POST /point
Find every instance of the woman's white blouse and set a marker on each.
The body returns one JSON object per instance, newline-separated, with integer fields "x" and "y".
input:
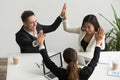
{"x": 77, "y": 30}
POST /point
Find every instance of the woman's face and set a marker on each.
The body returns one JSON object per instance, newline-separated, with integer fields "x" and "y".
{"x": 89, "y": 28}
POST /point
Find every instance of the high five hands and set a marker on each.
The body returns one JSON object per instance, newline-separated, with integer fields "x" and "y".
{"x": 41, "y": 35}
{"x": 99, "y": 36}
{"x": 41, "y": 38}
{"x": 63, "y": 12}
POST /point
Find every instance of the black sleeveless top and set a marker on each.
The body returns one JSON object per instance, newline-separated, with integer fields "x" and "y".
{"x": 84, "y": 44}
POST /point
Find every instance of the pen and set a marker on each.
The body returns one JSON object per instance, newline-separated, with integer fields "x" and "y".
{"x": 37, "y": 65}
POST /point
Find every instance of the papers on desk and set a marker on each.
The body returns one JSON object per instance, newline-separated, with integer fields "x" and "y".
{"x": 104, "y": 58}
{"x": 114, "y": 72}
{"x": 108, "y": 58}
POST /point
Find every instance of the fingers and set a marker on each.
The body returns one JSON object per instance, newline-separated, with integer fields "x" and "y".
{"x": 41, "y": 36}
{"x": 41, "y": 33}
{"x": 63, "y": 12}
{"x": 101, "y": 32}
{"x": 99, "y": 35}
{"x": 64, "y": 7}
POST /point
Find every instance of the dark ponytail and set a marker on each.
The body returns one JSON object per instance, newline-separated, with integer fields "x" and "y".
{"x": 70, "y": 57}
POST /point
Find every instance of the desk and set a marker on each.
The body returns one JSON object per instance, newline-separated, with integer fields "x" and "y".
{"x": 27, "y": 69}
{"x": 101, "y": 71}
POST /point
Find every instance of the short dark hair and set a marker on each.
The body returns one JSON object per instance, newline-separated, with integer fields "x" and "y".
{"x": 91, "y": 19}
{"x": 26, "y": 14}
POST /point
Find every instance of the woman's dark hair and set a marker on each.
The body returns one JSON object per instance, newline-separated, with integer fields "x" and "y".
{"x": 26, "y": 14}
{"x": 70, "y": 57}
{"x": 91, "y": 19}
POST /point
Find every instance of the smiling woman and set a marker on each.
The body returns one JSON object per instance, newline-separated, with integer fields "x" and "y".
{"x": 86, "y": 33}
{"x": 46, "y": 12}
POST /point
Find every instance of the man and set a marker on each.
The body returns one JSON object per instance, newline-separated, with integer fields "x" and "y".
{"x": 26, "y": 37}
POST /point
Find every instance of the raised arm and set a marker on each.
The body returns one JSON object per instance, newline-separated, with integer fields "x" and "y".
{"x": 49, "y": 64}
{"x": 88, "y": 70}
{"x": 52, "y": 27}
{"x": 65, "y": 22}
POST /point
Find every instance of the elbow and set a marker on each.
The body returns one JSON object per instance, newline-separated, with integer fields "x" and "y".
{"x": 66, "y": 28}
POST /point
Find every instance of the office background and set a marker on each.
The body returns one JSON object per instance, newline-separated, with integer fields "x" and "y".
{"x": 46, "y": 12}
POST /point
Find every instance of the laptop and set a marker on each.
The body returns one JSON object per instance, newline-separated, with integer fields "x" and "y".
{"x": 57, "y": 59}
{"x": 83, "y": 61}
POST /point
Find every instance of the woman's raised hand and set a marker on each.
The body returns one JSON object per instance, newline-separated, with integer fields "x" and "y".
{"x": 41, "y": 38}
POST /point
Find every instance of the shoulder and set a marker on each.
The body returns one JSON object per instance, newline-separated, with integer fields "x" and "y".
{"x": 39, "y": 26}
{"x": 21, "y": 32}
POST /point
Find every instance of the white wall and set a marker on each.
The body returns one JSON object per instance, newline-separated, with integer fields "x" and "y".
{"x": 46, "y": 12}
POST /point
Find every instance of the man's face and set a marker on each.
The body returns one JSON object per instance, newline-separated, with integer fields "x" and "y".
{"x": 31, "y": 23}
